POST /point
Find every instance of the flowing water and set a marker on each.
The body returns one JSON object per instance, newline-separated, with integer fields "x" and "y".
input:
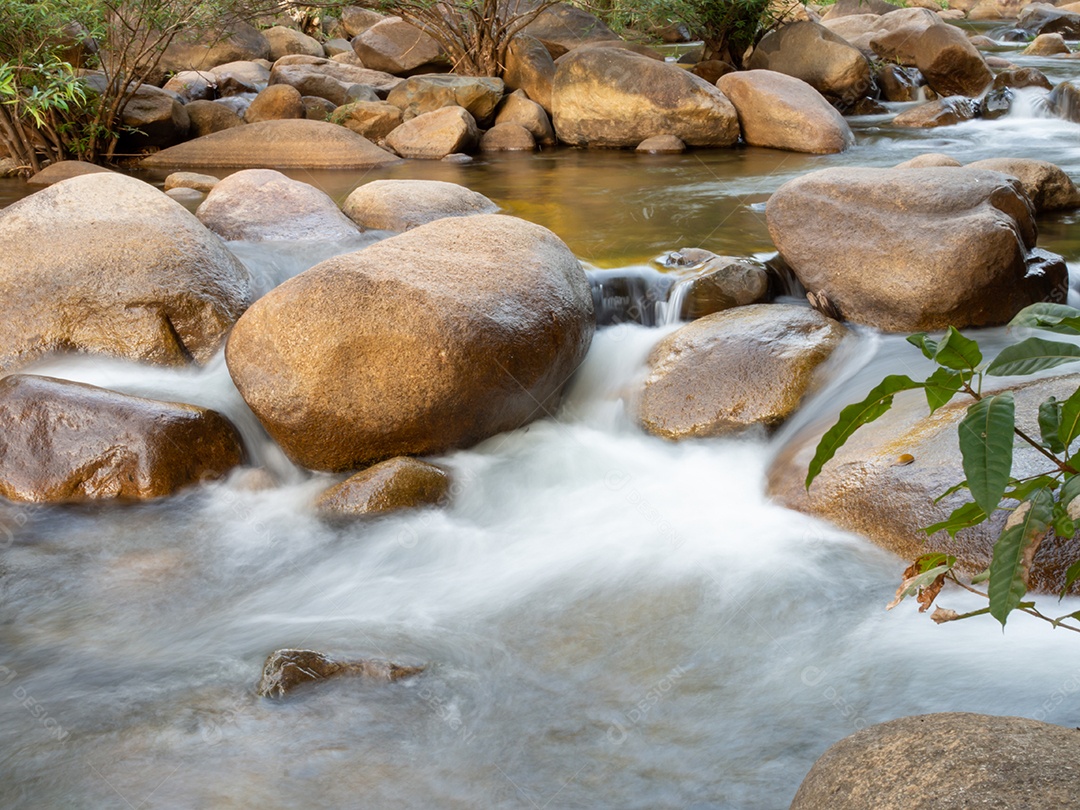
{"x": 608, "y": 619}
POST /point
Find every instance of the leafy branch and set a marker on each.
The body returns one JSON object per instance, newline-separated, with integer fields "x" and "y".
{"x": 1036, "y": 505}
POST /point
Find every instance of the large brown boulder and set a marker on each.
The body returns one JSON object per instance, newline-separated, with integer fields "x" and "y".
{"x": 238, "y": 42}
{"x": 286, "y": 41}
{"x": 944, "y": 112}
{"x": 1046, "y": 185}
{"x": 289, "y": 144}
{"x": 563, "y": 28}
{"x": 783, "y": 112}
{"x": 480, "y": 95}
{"x": 260, "y": 205}
{"x": 399, "y": 205}
{"x": 822, "y": 59}
{"x": 518, "y": 109}
{"x": 911, "y": 249}
{"x": 899, "y": 33}
{"x": 210, "y": 116}
{"x": 356, "y": 20}
{"x": 107, "y": 264}
{"x": 65, "y": 442}
{"x": 434, "y": 135}
{"x": 152, "y": 117}
{"x": 951, "y": 65}
{"x": 389, "y": 486}
{"x": 949, "y": 761}
{"x": 395, "y": 46}
{"x": 885, "y": 481}
{"x": 240, "y": 77}
{"x": 617, "y": 98}
{"x": 430, "y": 340}
{"x": 1041, "y": 18}
{"x": 529, "y": 67}
{"x": 735, "y": 369}
{"x": 707, "y": 283}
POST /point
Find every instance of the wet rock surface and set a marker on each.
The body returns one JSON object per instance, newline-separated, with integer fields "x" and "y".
{"x": 285, "y": 670}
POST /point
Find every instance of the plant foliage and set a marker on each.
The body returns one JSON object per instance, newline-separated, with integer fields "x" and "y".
{"x": 1036, "y": 505}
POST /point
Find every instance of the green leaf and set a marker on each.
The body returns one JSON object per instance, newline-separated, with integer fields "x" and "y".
{"x": 1049, "y": 423}
{"x": 958, "y": 352}
{"x": 982, "y": 576}
{"x": 1069, "y": 428}
{"x": 1009, "y": 567}
{"x": 1057, "y": 318}
{"x": 950, "y": 491}
{"x": 1031, "y": 355}
{"x": 941, "y": 386}
{"x": 986, "y": 444}
{"x": 926, "y": 344}
{"x": 1071, "y": 575}
{"x": 1021, "y": 491}
{"x": 1064, "y": 526}
{"x": 876, "y": 403}
{"x": 963, "y": 517}
{"x": 1069, "y": 490}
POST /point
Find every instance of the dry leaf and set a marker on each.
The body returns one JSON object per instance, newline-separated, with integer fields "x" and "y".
{"x": 942, "y": 615}
{"x": 927, "y": 595}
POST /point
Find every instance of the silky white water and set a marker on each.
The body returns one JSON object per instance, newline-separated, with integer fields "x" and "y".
{"x": 609, "y": 620}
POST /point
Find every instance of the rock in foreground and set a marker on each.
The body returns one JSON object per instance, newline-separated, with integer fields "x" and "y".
{"x": 948, "y": 761}
{"x": 284, "y": 670}
{"x": 433, "y": 339}
{"x": 107, "y": 264}
{"x": 65, "y": 442}
{"x": 914, "y": 249}
{"x": 728, "y": 371}
{"x": 399, "y": 205}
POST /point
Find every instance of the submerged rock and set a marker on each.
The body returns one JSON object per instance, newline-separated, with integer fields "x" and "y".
{"x": 914, "y": 249}
{"x": 284, "y": 670}
{"x": 398, "y": 205}
{"x": 65, "y": 442}
{"x": 784, "y": 112}
{"x": 948, "y": 761}
{"x": 260, "y": 205}
{"x": 731, "y": 370}
{"x": 391, "y": 485}
{"x": 661, "y": 145}
{"x": 885, "y": 481}
{"x": 107, "y": 264}
{"x": 433, "y": 339}
{"x": 507, "y": 138}
{"x": 616, "y": 98}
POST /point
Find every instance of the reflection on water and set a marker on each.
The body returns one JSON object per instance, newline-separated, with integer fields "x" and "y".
{"x": 611, "y": 620}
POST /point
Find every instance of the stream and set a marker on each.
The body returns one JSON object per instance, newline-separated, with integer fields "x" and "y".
{"x": 609, "y": 620}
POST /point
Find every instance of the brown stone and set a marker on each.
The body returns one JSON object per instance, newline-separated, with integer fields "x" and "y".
{"x": 285, "y": 41}
{"x": 240, "y": 77}
{"x": 277, "y": 102}
{"x": 661, "y": 145}
{"x": 518, "y": 109}
{"x": 708, "y": 283}
{"x": 210, "y": 116}
{"x": 307, "y": 73}
{"x": 398, "y": 205}
{"x": 192, "y": 85}
{"x": 284, "y": 670}
{"x": 290, "y": 144}
{"x": 65, "y": 442}
{"x": 897, "y": 83}
{"x": 1022, "y": 77}
{"x": 945, "y": 112}
{"x": 822, "y": 59}
{"x": 529, "y": 67}
{"x": 732, "y": 370}
{"x": 356, "y": 20}
{"x": 929, "y": 160}
{"x": 507, "y": 137}
{"x": 238, "y": 42}
{"x": 615, "y": 98}
{"x": 372, "y": 119}
{"x": 433, "y": 339}
{"x": 1046, "y": 185}
{"x": 864, "y": 488}
{"x": 259, "y": 205}
{"x": 1047, "y": 45}
{"x": 395, "y": 46}
{"x": 199, "y": 182}
{"x": 563, "y": 28}
{"x": 951, "y": 65}
{"x": 435, "y": 135}
{"x": 107, "y": 264}
{"x": 914, "y": 249}
{"x": 949, "y": 761}
{"x": 783, "y": 112}
{"x": 389, "y": 486}
{"x": 711, "y": 70}
{"x": 423, "y": 94}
